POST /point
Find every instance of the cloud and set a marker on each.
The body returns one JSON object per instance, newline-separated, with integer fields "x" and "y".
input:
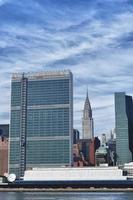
{"x": 2, "y": 2}
{"x": 91, "y": 38}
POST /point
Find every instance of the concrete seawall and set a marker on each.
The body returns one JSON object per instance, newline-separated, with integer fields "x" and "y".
{"x": 66, "y": 190}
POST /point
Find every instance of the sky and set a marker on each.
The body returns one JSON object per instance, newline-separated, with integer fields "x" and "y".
{"x": 92, "y": 38}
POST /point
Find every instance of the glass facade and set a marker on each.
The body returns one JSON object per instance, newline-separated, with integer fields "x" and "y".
{"x": 124, "y": 127}
{"x": 41, "y": 121}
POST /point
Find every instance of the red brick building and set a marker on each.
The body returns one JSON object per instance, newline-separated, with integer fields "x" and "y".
{"x": 92, "y": 152}
{"x": 3, "y": 156}
{"x": 84, "y": 152}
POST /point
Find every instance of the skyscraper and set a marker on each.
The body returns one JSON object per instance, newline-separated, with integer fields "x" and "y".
{"x": 124, "y": 127}
{"x": 41, "y": 120}
{"x": 87, "y": 120}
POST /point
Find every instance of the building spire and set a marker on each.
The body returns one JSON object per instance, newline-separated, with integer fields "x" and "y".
{"x": 87, "y": 120}
{"x": 87, "y": 93}
{"x": 87, "y": 105}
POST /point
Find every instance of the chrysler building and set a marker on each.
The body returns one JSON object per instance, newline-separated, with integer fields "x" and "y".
{"x": 87, "y": 120}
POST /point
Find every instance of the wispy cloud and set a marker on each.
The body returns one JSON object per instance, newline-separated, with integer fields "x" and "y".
{"x": 2, "y": 2}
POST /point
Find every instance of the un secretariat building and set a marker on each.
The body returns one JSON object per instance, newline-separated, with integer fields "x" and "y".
{"x": 41, "y": 120}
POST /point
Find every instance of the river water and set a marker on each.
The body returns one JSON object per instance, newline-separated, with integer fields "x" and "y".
{"x": 66, "y": 196}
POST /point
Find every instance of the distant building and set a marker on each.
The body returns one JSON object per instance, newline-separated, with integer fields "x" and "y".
{"x": 113, "y": 134}
{"x": 92, "y": 152}
{"x": 4, "y": 130}
{"x": 78, "y": 160}
{"x": 103, "y": 138}
{"x": 87, "y": 120}
{"x": 84, "y": 151}
{"x": 4, "y": 134}
{"x": 41, "y": 120}
{"x": 112, "y": 150}
{"x": 3, "y": 156}
{"x": 97, "y": 143}
{"x": 124, "y": 127}
{"x": 75, "y": 136}
{"x": 102, "y": 155}
{"x": 111, "y": 143}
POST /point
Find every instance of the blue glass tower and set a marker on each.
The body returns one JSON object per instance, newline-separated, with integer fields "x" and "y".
{"x": 41, "y": 120}
{"x": 124, "y": 127}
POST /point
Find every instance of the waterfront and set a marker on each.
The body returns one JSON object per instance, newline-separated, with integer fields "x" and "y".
{"x": 66, "y": 195}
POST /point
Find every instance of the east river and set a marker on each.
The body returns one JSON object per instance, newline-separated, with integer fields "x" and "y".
{"x": 66, "y": 196}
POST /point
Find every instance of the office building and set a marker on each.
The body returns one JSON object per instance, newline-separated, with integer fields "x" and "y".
{"x": 41, "y": 130}
{"x": 124, "y": 127}
{"x": 87, "y": 120}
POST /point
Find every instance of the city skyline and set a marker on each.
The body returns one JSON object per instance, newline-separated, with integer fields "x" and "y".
{"x": 91, "y": 38}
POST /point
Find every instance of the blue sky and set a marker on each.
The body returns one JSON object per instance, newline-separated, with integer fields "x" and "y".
{"x": 92, "y": 38}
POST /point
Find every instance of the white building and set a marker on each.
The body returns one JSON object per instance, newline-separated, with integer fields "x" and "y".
{"x": 74, "y": 174}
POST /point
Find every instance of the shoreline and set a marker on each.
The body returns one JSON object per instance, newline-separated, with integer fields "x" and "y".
{"x": 66, "y": 190}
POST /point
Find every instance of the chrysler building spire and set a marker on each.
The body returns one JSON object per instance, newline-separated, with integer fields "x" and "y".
{"x": 87, "y": 120}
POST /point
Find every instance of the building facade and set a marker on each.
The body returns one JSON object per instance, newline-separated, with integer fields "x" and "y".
{"x": 41, "y": 131}
{"x": 87, "y": 120}
{"x": 84, "y": 151}
{"x": 3, "y": 156}
{"x": 75, "y": 136}
{"x": 102, "y": 155}
{"x": 4, "y": 130}
{"x": 124, "y": 127}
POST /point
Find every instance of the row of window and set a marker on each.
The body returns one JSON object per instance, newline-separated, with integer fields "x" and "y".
{"x": 42, "y": 92}
{"x": 43, "y": 122}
